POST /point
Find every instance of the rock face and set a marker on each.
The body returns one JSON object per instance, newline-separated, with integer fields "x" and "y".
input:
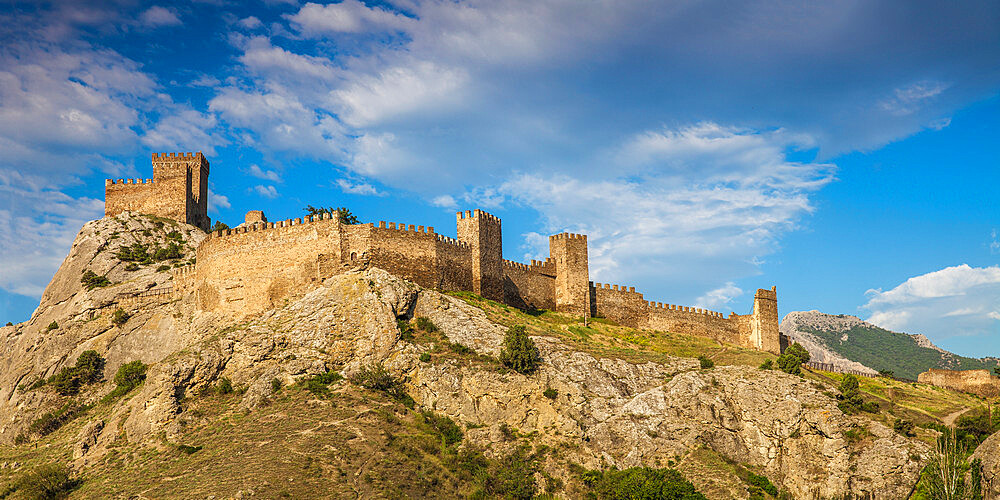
{"x": 791, "y": 327}
{"x": 989, "y": 452}
{"x": 607, "y": 412}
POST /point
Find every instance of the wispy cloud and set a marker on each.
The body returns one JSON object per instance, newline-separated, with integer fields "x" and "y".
{"x": 266, "y": 191}
{"x": 720, "y": 297}
{"x": 361, "y": 188}
{"x": 156, "y": 16}
{"x": 269, "y": 175}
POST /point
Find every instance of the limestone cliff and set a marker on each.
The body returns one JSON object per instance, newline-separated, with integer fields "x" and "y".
{"x": 606, "y": 412}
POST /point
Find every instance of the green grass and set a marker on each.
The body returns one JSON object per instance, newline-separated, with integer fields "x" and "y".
{"x": 603, "y": 338}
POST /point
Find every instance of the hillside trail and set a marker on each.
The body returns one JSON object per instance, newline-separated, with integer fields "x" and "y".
{"x": 949, "y": 419}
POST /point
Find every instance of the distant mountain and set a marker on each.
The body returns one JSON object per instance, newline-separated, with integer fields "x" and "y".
{"x": 848, "y": 342}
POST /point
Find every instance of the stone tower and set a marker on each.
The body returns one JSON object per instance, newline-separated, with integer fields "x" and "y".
{"x": 569, "y": 252}
{"x": 482, "y": 233}
{"x": 764, "y": 333}
{"x": 178, "y": 190}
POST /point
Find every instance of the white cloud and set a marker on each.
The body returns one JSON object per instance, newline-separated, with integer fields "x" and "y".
{"x": 908, "y": 99}
{"x": 349, "y": 16}
{"x": 159, "y": 16}
{"x": 401, "y": 90}
{"x": 250, "y": 23}
{"x": 951, "y": 302}
{"x": 995, "y": 242}
{"x": 217, "y": 202}
{"x": 266, "y": 191}
{"x": 269, "y": 175}
{"x": 720, "y": 297}
{"x": 361, "y": 188}
{"x": 444, "y": 201}
{"x": 187, "y": 130}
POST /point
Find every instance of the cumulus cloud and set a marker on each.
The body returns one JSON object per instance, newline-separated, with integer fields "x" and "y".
{"x": 250, "y": 23}
{"x": 156, "y": 16}
{"x": 361, "y": 188}
{"x": 187, "y": 130}
{"x": 266, "y": 191}
{"x": 349, "y": 16}
{"x": 269, "y": 175}
{"x": 720, "y": 297}
{"x": 957, "y": 301}
{"x": 217, "y": 202}
{"x": 444, "y": 201}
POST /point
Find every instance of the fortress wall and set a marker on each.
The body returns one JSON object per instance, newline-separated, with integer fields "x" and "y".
{"x": 164, "y": 198}
{"x": 252, "y": 268}
{"x": 526, "y": 288}
{"x": 979, "y": 382}
{"x": 619, "y": 304}
{"x": 406, "y": 251}
{"x": 454, "y": 264}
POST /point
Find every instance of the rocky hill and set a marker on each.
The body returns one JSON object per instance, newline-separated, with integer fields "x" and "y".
{"x": 255, "y": 404}
{"x": 850, "y": 343}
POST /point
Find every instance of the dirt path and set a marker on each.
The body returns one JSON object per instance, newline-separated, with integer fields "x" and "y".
{"x": 949, "y": 420}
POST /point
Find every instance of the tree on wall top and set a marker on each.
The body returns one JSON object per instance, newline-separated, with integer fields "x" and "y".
{"x": 346, "y": 217}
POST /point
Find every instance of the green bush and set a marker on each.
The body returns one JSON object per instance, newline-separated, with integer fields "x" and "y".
{"x": 378, "y": 378}
{"x": 225, "y": 386}
{"x": 188, "y": 449}
{"x": 128, "y": 377}
{"x": 52, "y": 326}
{"x": 137, "y": 252}
{"x": 319, "y": 384}
{"x": 132, "y": 267}
{"x": 92, "y": 280}
{"x": 461, "y": 348}
{"x": 763, "y": 483}
{"x": 162, "y": 268}
{"x": 275, "y": 385}
{"x": 641, "y": 483}
{"x": 171, "y": 251}
{"x": 519, "y": 351}
{"x": 445, "y": 428}
{"x": 88, "y": 369}
{"x": 120, "y": 317}
{"x": 512, "y": 477}
{"x": 790, "y": 364}
{"x": 798, "y": 351}
{"x": 219, "y": 226}
{"x": 405, "y": 330}
{"x": 51, "y": 421}
{"x": 705, "y": 362}
{"x": 550, "y": 393}
{"x": 46, "y": 482}
{"x": 850, "y": 397}
{"x": 768, "y": 364}
{"x": 904, "y": 427}
{"x": 175, "y": 235}
{"x": 426, "y": 325}
{"x": 425, "y": 357}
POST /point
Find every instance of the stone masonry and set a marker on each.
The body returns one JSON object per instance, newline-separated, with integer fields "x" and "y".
{"x": 260, "y": 264}
{"x": 178, "y": 190}
{"x": 979, "y": 382}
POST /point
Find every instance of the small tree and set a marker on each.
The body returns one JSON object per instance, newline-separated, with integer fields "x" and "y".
{"x": 705, "y": 362}
{"x": 219, "y": 226}
{"x": 346, "y": 217}
{"x": 792, "y": 359}
{"x": 129, "y": 376}
{"x": 519, "y": 351}
{"x": 119, "y": 317}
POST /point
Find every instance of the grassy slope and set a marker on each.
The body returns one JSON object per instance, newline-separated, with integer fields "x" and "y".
{"x": 886, "y": 350}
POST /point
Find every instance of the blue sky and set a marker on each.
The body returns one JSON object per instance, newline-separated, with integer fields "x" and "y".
{"x": 846, "y": 152}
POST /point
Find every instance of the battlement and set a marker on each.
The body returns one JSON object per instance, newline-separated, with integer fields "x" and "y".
{"x": 473, "y": 214}
{"x": 568, "y": 236}
{"x": 178, "y": 156}
{"x": 126, "y": 182}
{"x": 403, "y": 227}
{"x": 263, "y": 226}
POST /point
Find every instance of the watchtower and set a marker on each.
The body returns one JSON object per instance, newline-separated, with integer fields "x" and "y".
{"x": 482, "y": 233}
{"x": 178, "y": 190}
{"x": 569, "y": 252}
{"x": 764, "y": 334}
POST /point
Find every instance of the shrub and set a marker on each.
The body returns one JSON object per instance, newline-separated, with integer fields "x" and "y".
{"x": 461, "y": 348}
{"x": 171, "y": 251}
{"x": 87, "y": 370}
{"x": 790, "y": 364}
{"x": 137, "y": 252}
{"x": 550, "y": 393}
{"x": 10, "y": 324}
{"x": 426, "y": 325}
{"x": 92, "y": 280}
{"x": 275, "y": 385}
{"x": 52, "y": 326}
{"x": 225, "y": 386}
{"x": 519, "y": 352}
{"x": 641, "y": 482}
{"x": 51, "y": 421}
{"x": 904, "y": 427}
{"x": 886, "y": 373}
{"x": 120, "y": 317}
{"x": 798, "y": 351}
{"x": 318, "y": 384}
{"x": 705, "y": 362}
{"x": 763, "y": 483}
{"x": 132, "y": 267}
{"x": 425, "y": 357}
{"x": 174, "y": 235}
{"x": 219, "y": 226}
{"x": 850, "y": 397}
{"x": 768, "y": 364}
{"x": 162, "y": 268}
{"x": 511, "y": 478}
{"x": 128, "y": 377}
{"x": 405, "y": 331}
{"x": 46, "y": 482}
{"x": 188, "y": 449}
{"x": 378, "y": 378}
{"x": 446, "y": 428}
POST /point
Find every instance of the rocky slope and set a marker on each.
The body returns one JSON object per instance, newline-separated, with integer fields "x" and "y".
{"x": 850, "y": 343}
{"x": 606, "y": 412}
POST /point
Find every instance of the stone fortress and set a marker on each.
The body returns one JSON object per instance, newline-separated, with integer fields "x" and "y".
{"x": 256, "y": 265}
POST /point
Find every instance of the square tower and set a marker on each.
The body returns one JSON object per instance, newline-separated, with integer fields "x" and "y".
{"x": 482, "y": 233}
{"x": 764, "y": 334}
{"x": 184, "y": 181}
{"x": 569, "y": 252}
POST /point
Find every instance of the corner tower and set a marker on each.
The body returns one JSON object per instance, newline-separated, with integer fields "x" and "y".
{"x": 183, "y": 180}
{"x": 569, "y": 252}
{"x": 764, "y": 333}
{"x": 482, "y": 233}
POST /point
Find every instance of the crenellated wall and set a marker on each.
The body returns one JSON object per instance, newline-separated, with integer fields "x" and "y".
{"x": 259, "y": 264}
{"x": 979, "y": 382}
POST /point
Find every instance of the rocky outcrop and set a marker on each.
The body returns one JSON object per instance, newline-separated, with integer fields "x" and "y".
{"x": 988, "y": 453}
{"x": 792, "y": 327}
{"x": 607, "y": 411}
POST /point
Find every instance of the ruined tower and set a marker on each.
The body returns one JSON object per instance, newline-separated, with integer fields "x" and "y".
{"x": 178, "y": 190}
{"x": 764, "y": 333}
{"x": 481, "y": 231}
{"x": 572, "y": 285}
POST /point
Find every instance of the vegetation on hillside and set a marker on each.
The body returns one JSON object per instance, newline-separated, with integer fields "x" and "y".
{"x": 346, "y": 217}
{"x": 898, "y": 353}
